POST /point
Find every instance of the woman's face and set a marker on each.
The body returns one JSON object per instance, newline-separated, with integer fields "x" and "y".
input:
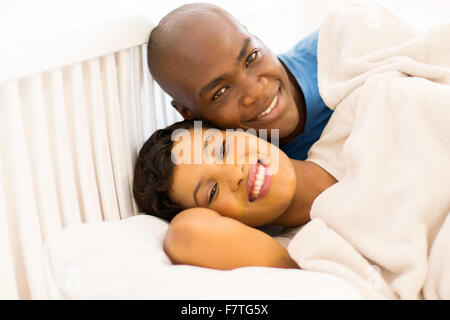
{"x": 234, "y": 173}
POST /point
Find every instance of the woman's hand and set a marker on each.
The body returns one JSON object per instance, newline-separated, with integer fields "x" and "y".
{"x": 202, "y": 237}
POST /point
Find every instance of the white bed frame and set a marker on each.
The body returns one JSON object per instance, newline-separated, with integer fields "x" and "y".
{"x": 76, "y": 104}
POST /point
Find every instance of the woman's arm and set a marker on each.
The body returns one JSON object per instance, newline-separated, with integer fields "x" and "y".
{"x": 202, "y": 237}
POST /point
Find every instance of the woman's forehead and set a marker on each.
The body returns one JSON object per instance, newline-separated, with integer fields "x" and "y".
{"x": 203, "y": 136}
{"x": 204, "y": 145}
{"x": 189, "y": 144}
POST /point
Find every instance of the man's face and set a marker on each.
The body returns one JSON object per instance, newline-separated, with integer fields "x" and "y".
{"x": 219, "y": 72}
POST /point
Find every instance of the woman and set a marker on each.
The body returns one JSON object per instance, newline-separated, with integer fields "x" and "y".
{"x": 213, "y": 205}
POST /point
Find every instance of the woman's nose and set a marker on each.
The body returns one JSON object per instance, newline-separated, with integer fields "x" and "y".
{"x": 235, "y": 176}
{"x": 254, "y": 90}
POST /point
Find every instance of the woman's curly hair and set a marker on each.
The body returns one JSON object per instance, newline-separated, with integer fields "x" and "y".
{"x": 153, "y": 172}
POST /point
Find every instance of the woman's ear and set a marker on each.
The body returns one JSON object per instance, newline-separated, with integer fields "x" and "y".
{"x": 185, "y": 112}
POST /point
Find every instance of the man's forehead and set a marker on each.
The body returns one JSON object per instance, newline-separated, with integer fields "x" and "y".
{"x": 200, "y": 51}
{"x": 207, "y": 36}
{"x": 203, "y": 55}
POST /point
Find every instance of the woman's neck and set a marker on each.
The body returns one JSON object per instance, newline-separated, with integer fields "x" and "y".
{"x": 312, "y": 180}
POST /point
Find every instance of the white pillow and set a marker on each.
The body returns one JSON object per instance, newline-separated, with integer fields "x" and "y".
{"x": 125, "y": 260}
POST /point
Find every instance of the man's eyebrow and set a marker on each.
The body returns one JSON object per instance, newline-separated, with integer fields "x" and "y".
{"x": 195, "y": 192}
{"x": 243, "y": 50}
{"x": 215, "y": 82}
{"x": 212, "y": 84}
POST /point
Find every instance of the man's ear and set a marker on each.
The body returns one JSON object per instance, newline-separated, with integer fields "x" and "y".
{"x": 185, "y": 112}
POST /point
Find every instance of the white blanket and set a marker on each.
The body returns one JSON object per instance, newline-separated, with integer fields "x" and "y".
{"x": 384, "y": 225}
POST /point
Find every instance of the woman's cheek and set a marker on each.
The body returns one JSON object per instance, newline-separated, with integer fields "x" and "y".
{"x": 229, "y": 208}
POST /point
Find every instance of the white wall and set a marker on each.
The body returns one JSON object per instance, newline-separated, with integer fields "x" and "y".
{"x": 306, "y": 15}
{"x": 425, "y": 12}
{"x": 23, "y": 15}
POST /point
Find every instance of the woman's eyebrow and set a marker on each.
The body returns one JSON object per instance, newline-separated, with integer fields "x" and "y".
{"x": 216, "y": 81}
{"x": 196, "y": 190}
{"x": 206, "y": 143}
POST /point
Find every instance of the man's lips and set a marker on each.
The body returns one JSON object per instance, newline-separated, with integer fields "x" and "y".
{"x": 271, "y": 110}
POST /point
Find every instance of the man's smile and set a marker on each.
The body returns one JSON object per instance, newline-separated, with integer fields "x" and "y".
{"x": 270, "y": 111}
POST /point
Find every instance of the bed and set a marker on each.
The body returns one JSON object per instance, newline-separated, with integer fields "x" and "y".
{"x": 76, "y": 104}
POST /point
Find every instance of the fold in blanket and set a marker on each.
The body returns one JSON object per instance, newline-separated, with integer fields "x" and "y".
{"x": 384, "y": 226}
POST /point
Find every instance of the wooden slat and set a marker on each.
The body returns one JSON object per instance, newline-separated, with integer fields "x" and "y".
{"x": 81, "y": 143}
{"x": 61, "y": 151}
{"x": 125, "y": 98}
{"x": 20, "y": 195}
{"x": 37, "y": 136}
{"x": 8, "y": 289}
{"x": 115, "y": 134}
{"x": 100, "y": 143}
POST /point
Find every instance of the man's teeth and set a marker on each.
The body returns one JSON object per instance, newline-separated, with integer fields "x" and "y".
{"x": 260, "y": 176}
{"x": 270, "y": 108}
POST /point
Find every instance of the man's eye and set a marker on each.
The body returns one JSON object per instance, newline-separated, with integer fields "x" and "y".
{"x": 220, "y": 92}
{"x": 213, "y": 192}
{"x": 251, "y": 58}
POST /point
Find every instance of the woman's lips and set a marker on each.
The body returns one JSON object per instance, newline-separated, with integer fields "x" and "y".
{"x": 259, "y": 181}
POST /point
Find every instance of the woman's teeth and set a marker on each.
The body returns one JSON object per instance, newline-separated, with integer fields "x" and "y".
{"x": 260, "y": 176}
{"x": 270, "y": 108}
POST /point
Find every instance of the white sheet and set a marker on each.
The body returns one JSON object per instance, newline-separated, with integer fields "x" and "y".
{"x": 383, "y": 225}
{"x": 125, "y": 260}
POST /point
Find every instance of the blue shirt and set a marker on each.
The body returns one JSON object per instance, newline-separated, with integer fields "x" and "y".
{"x": 301, "y": 61}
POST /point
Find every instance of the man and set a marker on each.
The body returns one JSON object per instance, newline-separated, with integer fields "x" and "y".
{"x": 215, "y": 70}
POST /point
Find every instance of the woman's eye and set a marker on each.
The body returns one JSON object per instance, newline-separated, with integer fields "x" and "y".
{"x": 213, "y": 192}
{"x": 251, "y": 58}
{"x": 221, "y": 153}
{"x": 220, "y": 92}
{"x": 222, "y": 150}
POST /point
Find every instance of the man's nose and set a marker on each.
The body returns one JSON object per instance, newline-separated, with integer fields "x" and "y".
{"x": 254, "y": 90}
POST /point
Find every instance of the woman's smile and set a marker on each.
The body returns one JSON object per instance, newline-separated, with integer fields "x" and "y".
{"x": 259, "y": 181}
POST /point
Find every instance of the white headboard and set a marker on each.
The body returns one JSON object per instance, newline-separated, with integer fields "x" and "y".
{"x": 76, "y": 105}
